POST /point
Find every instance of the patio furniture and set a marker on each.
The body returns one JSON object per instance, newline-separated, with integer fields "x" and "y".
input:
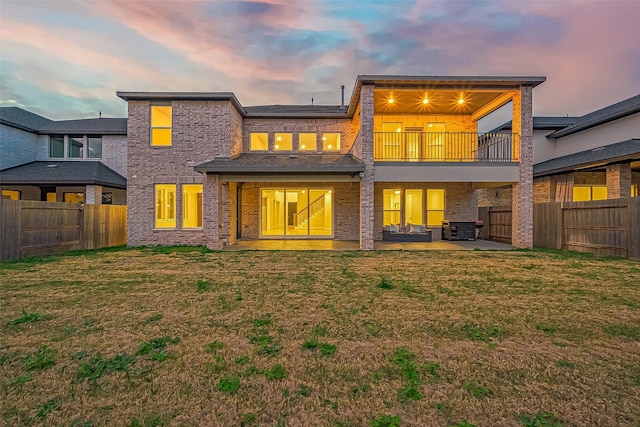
{"x": 410, "y": 233}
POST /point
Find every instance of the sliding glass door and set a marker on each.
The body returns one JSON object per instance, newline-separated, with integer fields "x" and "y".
{"x": 296, "y": 212}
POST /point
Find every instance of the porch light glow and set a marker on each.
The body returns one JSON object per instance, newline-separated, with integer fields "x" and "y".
{"x": 391, "y": 101}
{"x": 425, "y": 101}
{"x": 399, "y": 130}
{"x": 460, "y": 101}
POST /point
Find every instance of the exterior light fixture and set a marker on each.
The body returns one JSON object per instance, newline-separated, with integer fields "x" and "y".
{"x": 425, "y": 101}
{"x": 391, "y": 101}
{"x": 460, "y": 101}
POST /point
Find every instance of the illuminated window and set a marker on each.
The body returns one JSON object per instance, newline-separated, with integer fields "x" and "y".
{"x": 259, "y": 141}
{"x": 161, "y": 123}
{"x": 308, "y": 142}
{"x": 331, "y": 141}
{"x": 587, "y": 193}
{"x": 10, "y": 195}
{"x": 76, "y": 145}
{"x": 73, "y": 197}
{"x": 56, "y": 147}
{"x": 165, "y": 205}
{"x": 391, "y": 207}
{"x": 94, "y": 147}
{"x": 435, "y": 207}
{"x": 283, "y": 142}
{"x": 52, "y": 197}
{"x": 192, "y": 206}
{"x": 413, "y": 207}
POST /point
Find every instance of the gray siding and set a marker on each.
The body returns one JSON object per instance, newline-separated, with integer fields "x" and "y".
{"x": 17, "y": 147}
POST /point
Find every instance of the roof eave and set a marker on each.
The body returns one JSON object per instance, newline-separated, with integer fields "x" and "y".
{"x": 591, "y": 124}
{"x": 183, "y": 96}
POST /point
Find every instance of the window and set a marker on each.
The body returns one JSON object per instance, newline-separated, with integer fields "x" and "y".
{"x": 107, "y": 198}
{"x": 192, "y": 206}
{"x": 296, "y": 212}
{"x": 391, "y": 207}
{"x": 76, "y": 144}
{"x": 308, "y": 142}
{"x": 284, "y": 142}
{"x": 161, "y": 123}
{"x": 412, "y": 211}
{"x": 10, "y": 195}
{"x": 72, "y": 197}
{"x": 586, "y": 193}
{"x": 94, "y": 147}
{"x": 435, "y": 207}
{"x": 56, "y": 146}
{"x": 331, "y": 141}
{"x": 52, "y": 197}
{"x": 165, "y": 206}
{"x": 259, "y": 141}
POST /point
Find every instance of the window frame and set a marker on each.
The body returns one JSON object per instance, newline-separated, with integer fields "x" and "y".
{"x": 324, "y": 139}
{"x": 88, "y": 146}
{"x": 70, "y": 140}
{"x": 402, "y": 209}
{"x": 257, "y": 134}
{"x": 315, "y": 141}
{"x": 11, "y": 193}
{"x": 60, "y": 138}
{"x": 152, "y": 127}
{"x": 276, "y": 142}
{"x": 199, "y": 206}
{"x": 171, "y": 221}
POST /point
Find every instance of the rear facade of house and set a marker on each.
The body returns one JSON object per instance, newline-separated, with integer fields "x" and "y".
{"x": 404, "y": 153}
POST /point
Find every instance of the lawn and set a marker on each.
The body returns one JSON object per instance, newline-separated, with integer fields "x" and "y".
{"x": 184, "y": 336}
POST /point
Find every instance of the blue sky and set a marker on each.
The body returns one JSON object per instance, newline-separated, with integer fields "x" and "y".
{"x": 66, "y": 59}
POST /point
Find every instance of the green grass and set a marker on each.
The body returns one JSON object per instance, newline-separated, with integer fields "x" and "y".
{"x": 273, "y": 338}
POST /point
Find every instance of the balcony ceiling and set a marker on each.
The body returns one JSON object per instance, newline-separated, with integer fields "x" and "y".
{"x": 411, "y": 101}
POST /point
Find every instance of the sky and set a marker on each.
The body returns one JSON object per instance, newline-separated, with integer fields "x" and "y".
{"x": 66, "y": 59}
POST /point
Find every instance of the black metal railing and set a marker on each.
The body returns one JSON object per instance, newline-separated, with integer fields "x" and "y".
{"x": 444, "y": 147}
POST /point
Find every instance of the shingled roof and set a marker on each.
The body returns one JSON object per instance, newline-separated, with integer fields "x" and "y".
{"x": 63, "y": 173}
{"x": 604, "y": 115}
{"x": 22, "y": 119}
{"x": 258, "y": 163}
{"x": 625, "y": 150}
{"x": 301, "y": 111}
{"x": 102, "y": 126}
{"x": 543, "y": 123}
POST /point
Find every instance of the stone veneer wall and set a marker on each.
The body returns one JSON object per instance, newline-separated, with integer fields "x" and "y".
{"x": 618, "y": 178}
{"x": 346, "y": 206}
{"x": 367, "y": 182}
{"x": 201, "y": 131}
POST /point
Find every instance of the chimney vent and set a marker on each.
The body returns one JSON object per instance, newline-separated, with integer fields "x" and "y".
{"x": 342, "y": 89}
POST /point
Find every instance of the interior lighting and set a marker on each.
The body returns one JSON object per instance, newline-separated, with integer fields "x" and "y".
{"x": 329, "y": 147}
{"x": 279, "y": 138}
{"x": 303, "y": 146}
{"x": 277, "y": 146}
{"x": 397, "y": 191}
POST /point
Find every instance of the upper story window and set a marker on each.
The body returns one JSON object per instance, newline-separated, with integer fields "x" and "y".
{"x": 161, "y": 122}
{"x": 259, "y": 141}
{"x": 56, "y": 147}
{"x": 94, "y": 147}
{"x": 307, "y": 142}
{"x": 331, "y": 141}
{"x": 76, "y": 147}
{"x": 283, "y": 142}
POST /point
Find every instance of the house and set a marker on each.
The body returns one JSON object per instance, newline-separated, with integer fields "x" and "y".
{"x": 405, "y": 152}
{"x": 82, "y": 161}
{"x": 592, "y": 157}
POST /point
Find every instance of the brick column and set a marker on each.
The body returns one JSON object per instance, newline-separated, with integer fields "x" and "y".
{"x": 522, "y": 196}
{"x": 366, "y": 184}
{"x": 224, "y": 214}
{"x": 93, "y": 195}
{"x": 619, "y": 181}
{"x": 211, "y": 212}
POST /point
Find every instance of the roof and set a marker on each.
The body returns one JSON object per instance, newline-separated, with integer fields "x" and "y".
{"x": 297, "y": 111}
{"x": 103, "y": 126}
{"x": 22, "y": 119}
{"x": 604, "y": 115}
{"x": 63, "y": 173}
{"x": 260, "y": 163}
{"x": 183, "y": 96}
{"x": 625, "y": 150}
{"x": 542, "y": 122}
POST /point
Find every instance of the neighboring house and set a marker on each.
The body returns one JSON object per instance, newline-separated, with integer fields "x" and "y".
{"x": 593, "y": 157}
{"x": 405, "y": 152}
{"x": 82, "y": 161}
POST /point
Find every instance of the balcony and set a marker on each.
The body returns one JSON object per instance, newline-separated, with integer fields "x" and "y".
{"x": 445, "y": 147}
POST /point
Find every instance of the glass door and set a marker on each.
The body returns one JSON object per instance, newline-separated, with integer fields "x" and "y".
{"x": 296, "y": 212}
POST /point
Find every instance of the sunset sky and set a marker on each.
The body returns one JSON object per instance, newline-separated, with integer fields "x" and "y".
{"x": 66, "y": 59}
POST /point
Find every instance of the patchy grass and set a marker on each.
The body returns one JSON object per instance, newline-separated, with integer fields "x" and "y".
{"x": 531, "y": 338}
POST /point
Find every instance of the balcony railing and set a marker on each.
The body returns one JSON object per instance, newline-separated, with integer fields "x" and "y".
{"x": 445, "y": 147}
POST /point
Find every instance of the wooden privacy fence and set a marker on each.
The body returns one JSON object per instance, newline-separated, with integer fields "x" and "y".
{"x": 31, "y": 228}
{"x": 603, "y": 227}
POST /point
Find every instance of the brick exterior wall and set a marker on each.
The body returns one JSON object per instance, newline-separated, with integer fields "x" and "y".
{"x": 367, "y": 181}
{"x": 201, "y": 130}
{"x": 618, "y": 178}
{"x": 346, "y": 207}
{"x": 93, "y": 195}
{"x": 522, "y": 200}
{"x": 452, "y": 123}
{"x": 495, "y": 196}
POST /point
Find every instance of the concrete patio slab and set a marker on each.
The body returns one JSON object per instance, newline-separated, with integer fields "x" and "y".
{"x": 342, "y": 245}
